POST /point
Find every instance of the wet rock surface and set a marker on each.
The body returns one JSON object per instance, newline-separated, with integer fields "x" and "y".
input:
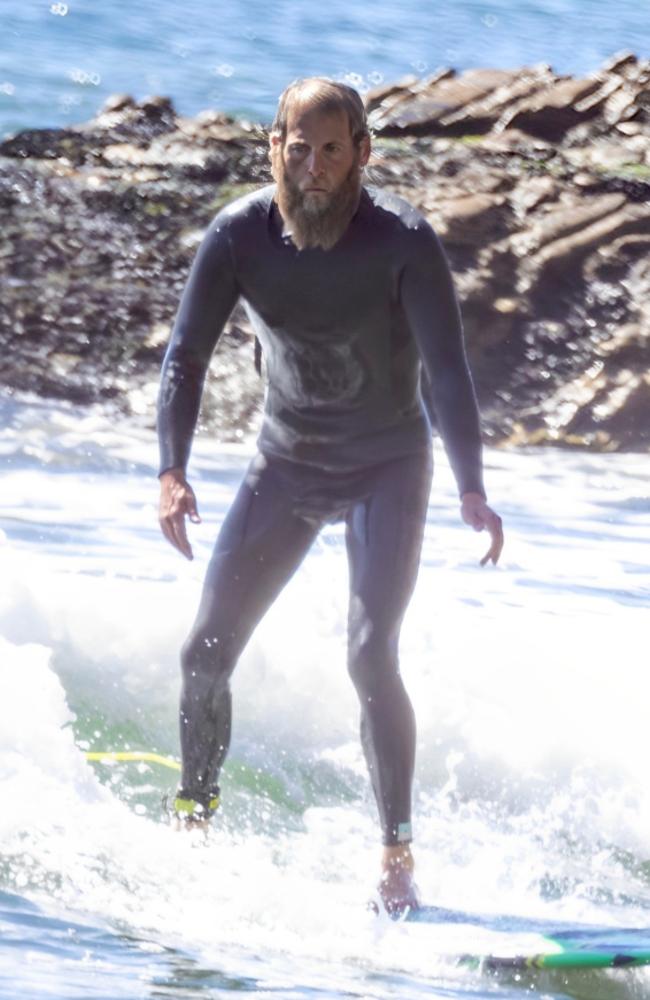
{"x": 538, "y": 185}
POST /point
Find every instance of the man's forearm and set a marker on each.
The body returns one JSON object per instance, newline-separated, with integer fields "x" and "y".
{"x": 179, "y": 400}
{"x": 457, "y": 418}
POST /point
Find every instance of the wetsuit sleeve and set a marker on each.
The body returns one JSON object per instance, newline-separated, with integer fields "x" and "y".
{"x": 208, "y": 299}
{"x": 431, "y": 308}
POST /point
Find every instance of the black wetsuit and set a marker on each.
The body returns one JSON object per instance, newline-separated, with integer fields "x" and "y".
{"x": 345, "y": 333}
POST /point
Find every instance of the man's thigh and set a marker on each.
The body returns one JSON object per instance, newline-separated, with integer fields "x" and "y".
{"x": 384, "y": 541}
{"x": 260, "y": 545}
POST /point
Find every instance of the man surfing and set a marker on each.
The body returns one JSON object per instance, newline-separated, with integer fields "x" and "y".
{"x": 351, "y": 298}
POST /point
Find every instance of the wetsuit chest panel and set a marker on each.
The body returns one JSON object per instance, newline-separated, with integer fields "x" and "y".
{"x": 319, "y": 294}
{"x": 325, "y": 319}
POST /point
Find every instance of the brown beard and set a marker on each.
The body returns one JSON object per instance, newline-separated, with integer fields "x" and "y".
{"x": 313, "y": 222}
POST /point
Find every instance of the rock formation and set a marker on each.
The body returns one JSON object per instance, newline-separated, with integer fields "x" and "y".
{"x": 539, "y": 186}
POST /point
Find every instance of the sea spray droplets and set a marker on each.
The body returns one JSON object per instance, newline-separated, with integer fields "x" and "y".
{"x": 7, "y": 88}
{"x": 84, "y": 78}
{"x": 355, "y": 80}
{"x": 59, "y": 8}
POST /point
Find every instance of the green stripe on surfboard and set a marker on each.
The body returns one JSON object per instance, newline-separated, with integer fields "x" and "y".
{"x": 546, "y": 946}
{"x": 566, "y": 959}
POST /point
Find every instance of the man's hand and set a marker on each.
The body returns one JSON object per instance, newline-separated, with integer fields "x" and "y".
{"x": 475, "y": 512}
{"x": 177, "y": 501}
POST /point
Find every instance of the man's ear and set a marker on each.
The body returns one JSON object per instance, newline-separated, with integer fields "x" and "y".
{"x": 364, "y": 150}
{"x": 275, "y": 146}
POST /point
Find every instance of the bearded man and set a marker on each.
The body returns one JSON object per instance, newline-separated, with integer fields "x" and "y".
{"x": 350, "y": 296}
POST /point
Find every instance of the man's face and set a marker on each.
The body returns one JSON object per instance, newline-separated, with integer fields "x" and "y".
{"x": 318, "y": 153}
{"x": 318, "y": 172}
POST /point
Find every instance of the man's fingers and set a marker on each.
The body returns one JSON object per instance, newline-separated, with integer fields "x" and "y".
{"x": 495, "y": 526}
{"x": 173, "y": 528}
{"x": 180, "y": 534}
{"x": 175, "y": 505}
{"x": 490, "y": 556}
{"x": 191, "y": 508}
{"x": 167, "y": 532}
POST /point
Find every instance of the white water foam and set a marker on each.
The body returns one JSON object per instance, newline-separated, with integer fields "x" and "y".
{"x": 531, "y": 792}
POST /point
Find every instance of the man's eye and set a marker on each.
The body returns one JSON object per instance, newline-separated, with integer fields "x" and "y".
{"x": 297, "y": 147}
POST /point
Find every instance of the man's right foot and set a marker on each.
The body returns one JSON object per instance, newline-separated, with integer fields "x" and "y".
{"x": 398, "y": 892}
{"x": 396, "y": 887}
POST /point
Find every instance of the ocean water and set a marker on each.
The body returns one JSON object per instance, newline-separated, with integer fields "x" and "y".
{"x": 60, "y": 59}
{"x": 531, "y": 692}
{"x": 530, "y": 681}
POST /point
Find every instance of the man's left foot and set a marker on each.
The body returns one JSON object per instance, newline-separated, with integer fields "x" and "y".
{"x": 191, "y": 814}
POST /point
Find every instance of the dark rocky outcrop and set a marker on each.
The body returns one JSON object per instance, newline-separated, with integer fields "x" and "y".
{"x": 532, "y": 99}
{"x": 539, "y": 186}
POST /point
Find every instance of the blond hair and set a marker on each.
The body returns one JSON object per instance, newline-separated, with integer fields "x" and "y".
{"x": 329, "y": 97}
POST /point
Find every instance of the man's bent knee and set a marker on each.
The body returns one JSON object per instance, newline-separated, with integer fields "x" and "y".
{"x": 372, "y": 658}
{"x": 209, "y": 658}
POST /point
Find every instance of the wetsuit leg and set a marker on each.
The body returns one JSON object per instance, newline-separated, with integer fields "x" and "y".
{"x": 384, "y": 540}
{"x": 260, "y": 545}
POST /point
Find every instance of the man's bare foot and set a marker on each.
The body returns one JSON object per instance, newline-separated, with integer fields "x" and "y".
{"x": 190, "y": 823}
{"x": 396, "y": 886}
{"x": 188, "y": 814}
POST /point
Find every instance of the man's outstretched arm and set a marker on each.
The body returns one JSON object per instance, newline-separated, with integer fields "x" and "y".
{"x": 208, "y": 299}
{"x": 431, "y": 307}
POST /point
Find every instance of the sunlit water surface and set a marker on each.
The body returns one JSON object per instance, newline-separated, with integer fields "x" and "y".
{"x": 530, "y": 686}
{"x": 62, "y": 58}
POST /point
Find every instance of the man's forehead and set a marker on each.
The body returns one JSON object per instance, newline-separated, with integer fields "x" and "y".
{"x": 303, "y": 122}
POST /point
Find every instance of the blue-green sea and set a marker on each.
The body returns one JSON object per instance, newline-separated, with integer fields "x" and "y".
{"x": 530, "y": 688}
{"x": 529, "y": 681}
{"x": 60, "y": 59}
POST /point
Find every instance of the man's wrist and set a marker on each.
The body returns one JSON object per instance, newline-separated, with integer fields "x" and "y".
{"x": 472, "y": 493}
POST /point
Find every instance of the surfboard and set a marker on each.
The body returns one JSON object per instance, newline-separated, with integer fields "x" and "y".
{"x": 493, "y": 942}
{"x": 120, "y": 756}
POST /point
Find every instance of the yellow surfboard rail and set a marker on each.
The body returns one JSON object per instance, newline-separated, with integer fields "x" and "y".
{"x": 107, "y": 756}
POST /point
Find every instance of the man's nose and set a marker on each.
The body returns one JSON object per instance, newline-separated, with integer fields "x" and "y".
{"x": 314, "y": 164}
